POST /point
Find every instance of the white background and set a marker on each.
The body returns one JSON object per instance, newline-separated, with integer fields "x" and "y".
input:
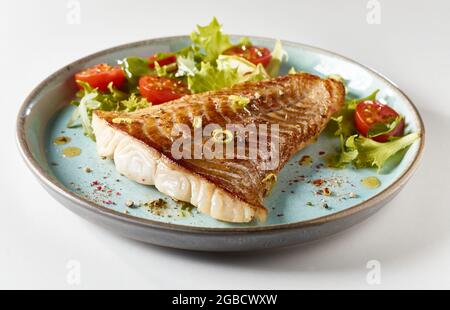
{"x": 410, "y": 237}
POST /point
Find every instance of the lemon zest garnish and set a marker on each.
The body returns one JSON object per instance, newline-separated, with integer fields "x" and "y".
{"x": 238, "y": 102}
{"x": 219, "y": 134}
{"x": 197, "y": 122}
{"x": 121, "y": 120}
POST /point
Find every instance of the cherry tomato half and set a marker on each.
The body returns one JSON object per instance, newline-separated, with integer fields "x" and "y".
{"x": 99, "y": 76}
{"x": 161, "y": 89}
{"x": 163, "y": 59}
{"x": 369, "y": 113}
{"x": 254, "y": 54}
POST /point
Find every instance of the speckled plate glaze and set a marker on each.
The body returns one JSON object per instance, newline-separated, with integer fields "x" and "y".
{"x": 297, "y": 213}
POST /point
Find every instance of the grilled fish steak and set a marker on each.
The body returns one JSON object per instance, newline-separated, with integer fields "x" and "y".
{"x": 228, "y": 189}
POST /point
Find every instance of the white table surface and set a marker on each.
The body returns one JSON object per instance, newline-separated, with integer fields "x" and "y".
{"x": 410, "y": 237}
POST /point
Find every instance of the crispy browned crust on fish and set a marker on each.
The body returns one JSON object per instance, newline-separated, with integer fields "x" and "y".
{"x": 301, "y": 104}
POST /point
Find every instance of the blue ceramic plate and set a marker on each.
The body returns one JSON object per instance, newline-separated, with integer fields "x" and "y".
{"x": 297, "y": 212}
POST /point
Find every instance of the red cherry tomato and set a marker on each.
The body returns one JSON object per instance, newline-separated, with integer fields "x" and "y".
{"x": 163, "y": 59}
{"x": 161, "y": 89}
{"x": 101, "y": 75}
{"x": 369, "y": 113}
{"x": 254, "y": 54}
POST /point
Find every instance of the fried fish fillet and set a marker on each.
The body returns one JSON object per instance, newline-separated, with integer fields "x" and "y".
{"x": 228, "y": 189}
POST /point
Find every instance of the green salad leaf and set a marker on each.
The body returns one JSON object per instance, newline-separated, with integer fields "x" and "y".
{"x": 383, "y": 128}
{"x": 91, "y": 99}
{"x": 258, "y": 74}
{"x": 211, "y": 39}
{"x": 228, "y": 71}
{"x": 210, "y": 77}
{"x": 375, "y": 154}
{"x": 191, "y": 51}
{"x": 352, "y": 103}
{"x": 134, "y": 68}
{"x": 133, "y": 103}
{"x": 292, "y": 70}
{"x": 245, "y": 41}
{"x": 187, "y": 66}
{"x": 165, "y": 71}
{"x": 344, "y": 117}
{"x": 278, "y": 56}
{"x": 361, "y": 151}
{"x": 206, "y": 69}
{"x": 242, "y": 65}
{"x": 345, "y": 157}
{"x": 246, "y": 70}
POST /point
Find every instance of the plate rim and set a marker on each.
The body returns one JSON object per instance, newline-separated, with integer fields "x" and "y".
{"x": 47, "y": 179}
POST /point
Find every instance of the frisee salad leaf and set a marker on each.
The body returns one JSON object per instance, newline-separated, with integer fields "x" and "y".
{"x": 134, "y": 103}
{"x": 134, "y": 68}
{"x": 361, "y": 151}
{"x": 91, "y": 99}
{"x": 246, "y": 70}
{"x": 278, "y": 56}
{"x": 203, "y": 57}
{"x": 211, "y": 39}
{"x": 212, "y": 70}
{"x": 186, "y": 66}
{"x": 165, "y": 71}
{"x": 228, "y": 71}
{"x": 242, "y": 65}
{"x": 344, "y": 117}
{"x": 209, "y": 77}
{"x": 382, "y": 128}
{"x": 352, "y": 103}
{"x": 292, "y": 70}
{"x": 375, "y": 154}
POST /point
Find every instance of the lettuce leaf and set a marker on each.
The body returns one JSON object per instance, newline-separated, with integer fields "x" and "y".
{"x": 344, "y": 158}
{"x": 344, "y": 117}
{"x": 134, "y": 103}
{"x": 383, "y": 128}
{"x": 258, "y": 74}
{"x": 92, "y": 99}
{"x": 278, "y": 56}
{"x": 361, "y": 151}
{"x": 246, "y": 70}
{"x": 230, "y": 70}
{"x": 210, "y": 77}
{"x": 187, "y": 66}
{"x": 375, "y": 154}
{"x": 134, "y": 68}
{"x": 352, "y": 103}
{"x": 292, "y": 70}
{"x": 245, "y": 41}
{"x": 191, "y": 51}
{"x": 165, "y": 71}
{"x": 211, "y": 39}
{"x": 242, "y": 65}
{"x": 206, "y": 69}
{"x": 87, "y": 105}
